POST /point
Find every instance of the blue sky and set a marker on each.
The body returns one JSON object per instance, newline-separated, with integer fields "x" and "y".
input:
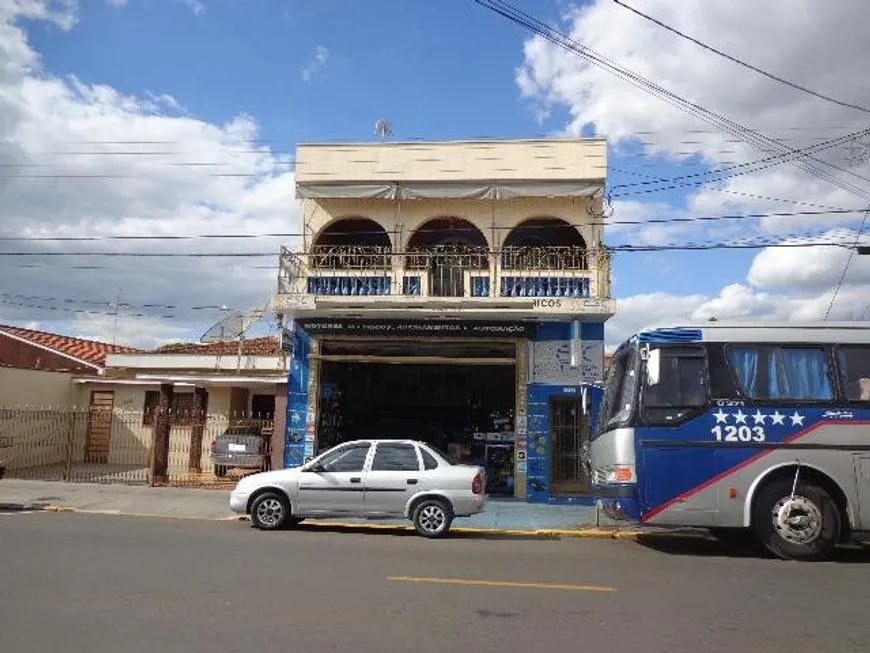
{"x": 326, "y": 70}
{"x": 441, "y": 70}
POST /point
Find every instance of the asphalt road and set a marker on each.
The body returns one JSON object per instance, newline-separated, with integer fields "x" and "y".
{"x": 135, "y": 585}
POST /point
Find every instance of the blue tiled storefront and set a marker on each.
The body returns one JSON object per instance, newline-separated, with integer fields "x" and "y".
{"x": 548, "y": 376}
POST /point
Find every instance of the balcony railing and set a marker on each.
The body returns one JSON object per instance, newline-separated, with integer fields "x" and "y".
{"x": 572, "y": 272}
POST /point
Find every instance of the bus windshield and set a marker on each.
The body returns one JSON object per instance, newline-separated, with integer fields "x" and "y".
{"x": 619, "y": 390}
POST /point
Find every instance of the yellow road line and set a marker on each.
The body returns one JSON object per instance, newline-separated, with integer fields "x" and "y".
{"x": 502, "y": 583}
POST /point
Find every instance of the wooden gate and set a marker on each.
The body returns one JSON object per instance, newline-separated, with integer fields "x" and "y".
{"x": 99, "y": 426}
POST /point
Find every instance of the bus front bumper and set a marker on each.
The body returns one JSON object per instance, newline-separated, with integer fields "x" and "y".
{"x": 618, "y": 502}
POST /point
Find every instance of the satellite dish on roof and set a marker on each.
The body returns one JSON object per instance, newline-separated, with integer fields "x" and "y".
{"x": 234, "y": 327}
{"x": 383, "y": 128}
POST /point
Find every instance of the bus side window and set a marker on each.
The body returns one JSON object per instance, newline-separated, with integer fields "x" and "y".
{"x": 854, "y": 364}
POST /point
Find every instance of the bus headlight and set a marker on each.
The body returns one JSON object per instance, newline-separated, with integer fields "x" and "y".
{"x": 613, "y": 474}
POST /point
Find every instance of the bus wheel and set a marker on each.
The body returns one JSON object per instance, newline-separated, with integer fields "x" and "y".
{"x": 805, "y": 526}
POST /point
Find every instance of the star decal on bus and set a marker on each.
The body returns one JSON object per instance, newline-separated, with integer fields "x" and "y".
{"x": 721, "y": 417}
{"x": 777, "y": 418}
{"x": 740, "y": 417}
{"x": 759, "y": 417}
{"x": 797, "y": 419}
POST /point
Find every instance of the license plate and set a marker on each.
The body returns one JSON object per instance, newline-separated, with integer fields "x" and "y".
{"x": 237, "y": 447}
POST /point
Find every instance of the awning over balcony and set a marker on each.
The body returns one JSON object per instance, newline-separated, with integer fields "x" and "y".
{"x": 474, "y": 190}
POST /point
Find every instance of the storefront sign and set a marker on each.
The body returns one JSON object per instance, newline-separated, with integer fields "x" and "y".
{"x": 461, "y": 328}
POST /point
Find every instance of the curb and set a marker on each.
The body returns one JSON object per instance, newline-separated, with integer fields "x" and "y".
{"x": 120, "y": 513}
{"x": 544, "y": 533}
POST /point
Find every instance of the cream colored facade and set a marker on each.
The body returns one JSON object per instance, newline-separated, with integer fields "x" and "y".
{"x": 459, "y": 161}
{"x": 494, "y": 186}
{"x": 35, "y": 388}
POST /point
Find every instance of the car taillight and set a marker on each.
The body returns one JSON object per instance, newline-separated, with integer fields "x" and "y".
{"x": 477, "y": 484}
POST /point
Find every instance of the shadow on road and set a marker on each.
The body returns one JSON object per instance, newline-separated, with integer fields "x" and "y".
{"x": 712, "y": 548}
{"x": 21, "y": 507}
{"x": 405, "y": 531}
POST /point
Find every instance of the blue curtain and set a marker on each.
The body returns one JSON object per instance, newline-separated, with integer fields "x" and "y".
{"x": 804, "y": 374}
{"x": 744, "y": 360}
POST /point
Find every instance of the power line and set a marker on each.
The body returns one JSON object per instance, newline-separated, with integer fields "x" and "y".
{"x": 848, "y": 263}
{"x": 728, "y": 191}
{"x": 271, "y": 254}
{"x": 758, "y": 140}
{"x": 422, "y": 230}
{"x": 94, "y": 302}
{"x": 740, "y": 61}
{"x": 80, "y": 311}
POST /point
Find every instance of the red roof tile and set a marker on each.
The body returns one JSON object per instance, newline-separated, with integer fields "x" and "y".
{"x": 266, "y": 346}
{"x": 90, "y": 351}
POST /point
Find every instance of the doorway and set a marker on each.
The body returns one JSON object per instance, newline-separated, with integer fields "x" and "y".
{"x": 99, "y": 431}
{"x": 569, "y": 435}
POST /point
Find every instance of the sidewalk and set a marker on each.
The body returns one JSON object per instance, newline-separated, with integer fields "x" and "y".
{"x": 500, "y": 515}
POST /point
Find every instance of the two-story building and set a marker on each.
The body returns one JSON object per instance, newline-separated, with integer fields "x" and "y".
{"x": 454, "y": 292}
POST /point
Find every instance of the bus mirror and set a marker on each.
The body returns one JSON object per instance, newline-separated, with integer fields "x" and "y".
{"x": 653, "y": 366}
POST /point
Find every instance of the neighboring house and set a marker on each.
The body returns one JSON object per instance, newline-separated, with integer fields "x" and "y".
{"x": 36, "y": 367}
{"x": 461, "y": 287}
{"x": 205, "y": 386}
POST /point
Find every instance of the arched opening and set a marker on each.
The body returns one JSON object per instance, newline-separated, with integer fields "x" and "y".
{"x": 446, "y": 248}
{"x": 352, "y": 243}
{"x": 544, "y": 244}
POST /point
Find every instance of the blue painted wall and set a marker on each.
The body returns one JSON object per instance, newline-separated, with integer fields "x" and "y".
{"x": 297, "y": 400}
{"x": 538, "y": 411}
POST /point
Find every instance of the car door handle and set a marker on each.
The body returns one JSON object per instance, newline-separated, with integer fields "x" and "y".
{"x": 356, "y": 479}
{"x": 412, "y": 481}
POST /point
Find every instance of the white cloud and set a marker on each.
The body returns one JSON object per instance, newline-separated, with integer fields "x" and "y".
{"x": 819, "y": 46}
{"x": 734, "y": 302}
{"x": 811, "y": 268}
{"x": 118, "y": 3}
{"x": 85, "y": 159}
{"x": 317, "y": 64}
{"x": 195, "y": 5}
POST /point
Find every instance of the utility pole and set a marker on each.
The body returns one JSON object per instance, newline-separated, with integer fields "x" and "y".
{"x": 115, "y": 315}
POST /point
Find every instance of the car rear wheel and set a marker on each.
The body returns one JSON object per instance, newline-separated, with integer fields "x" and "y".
{"x": 432, "y": 517}
{"x": 270, "y": 511}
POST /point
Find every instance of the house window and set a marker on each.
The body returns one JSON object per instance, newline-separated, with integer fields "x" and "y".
{"x": 181, "y": 409}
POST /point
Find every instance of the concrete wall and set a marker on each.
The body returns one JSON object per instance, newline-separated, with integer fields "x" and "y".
{"x": 35, "y": 388}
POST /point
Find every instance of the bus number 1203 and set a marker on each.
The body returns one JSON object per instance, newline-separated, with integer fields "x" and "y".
{"x": 733, "y": 433}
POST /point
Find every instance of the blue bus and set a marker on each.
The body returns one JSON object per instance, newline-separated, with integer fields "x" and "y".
{"x": 740, "y": 428}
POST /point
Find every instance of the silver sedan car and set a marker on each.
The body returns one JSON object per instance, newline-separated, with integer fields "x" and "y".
{"x": 373, "y": 479}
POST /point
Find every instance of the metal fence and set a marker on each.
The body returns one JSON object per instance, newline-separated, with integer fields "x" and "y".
{"x": 98, "y": 445}
{"x": 449, "y": 271}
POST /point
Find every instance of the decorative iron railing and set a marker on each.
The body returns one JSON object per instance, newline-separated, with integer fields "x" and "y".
{"x": 557, "y": 271}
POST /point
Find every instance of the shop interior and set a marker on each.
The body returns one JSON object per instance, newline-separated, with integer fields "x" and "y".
{"x": 457, "y": 397}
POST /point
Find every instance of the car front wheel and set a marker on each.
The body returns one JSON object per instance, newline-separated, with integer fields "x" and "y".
{"x": 270, "y": 511}
{"x": 432, "y": 517}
